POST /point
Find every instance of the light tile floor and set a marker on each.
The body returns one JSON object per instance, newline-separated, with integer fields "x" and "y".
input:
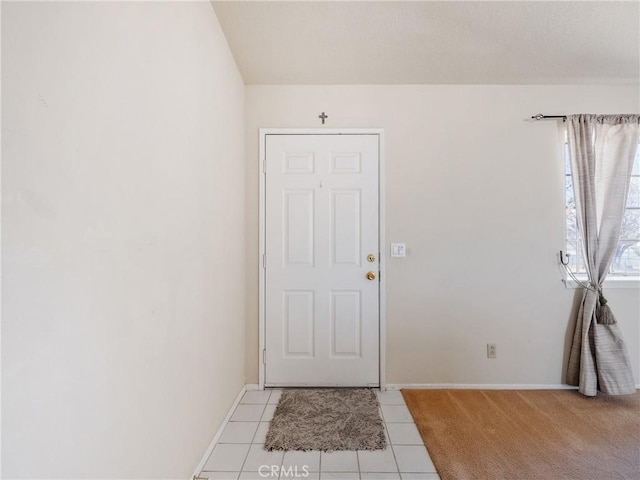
{"x": 240, "y": 454}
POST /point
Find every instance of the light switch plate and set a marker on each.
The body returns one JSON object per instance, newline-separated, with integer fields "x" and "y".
{"x": 398, "y": 250}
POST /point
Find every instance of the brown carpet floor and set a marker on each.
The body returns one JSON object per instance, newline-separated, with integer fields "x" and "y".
{"x": 528, "y": 434}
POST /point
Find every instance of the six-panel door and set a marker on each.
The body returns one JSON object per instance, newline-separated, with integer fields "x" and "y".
{"x": 321, "y": 225}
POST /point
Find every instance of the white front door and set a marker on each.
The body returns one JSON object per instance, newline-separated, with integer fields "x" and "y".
{"x": 322, "y": 252}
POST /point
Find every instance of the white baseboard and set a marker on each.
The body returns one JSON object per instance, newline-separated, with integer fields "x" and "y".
{"x": 216, "y": 437}
{"x": 252, "y": 386}
{"x": 480, "y": 386}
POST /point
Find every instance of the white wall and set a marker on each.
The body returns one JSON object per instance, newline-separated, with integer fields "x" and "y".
{"x": 477, "y": 194}
{"x": 123, "y": 238}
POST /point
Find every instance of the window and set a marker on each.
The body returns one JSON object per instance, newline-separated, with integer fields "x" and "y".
{"x": 627, "y": 257}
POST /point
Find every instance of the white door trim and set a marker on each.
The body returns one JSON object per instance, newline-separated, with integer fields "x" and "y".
{"x": 381, "y": 229}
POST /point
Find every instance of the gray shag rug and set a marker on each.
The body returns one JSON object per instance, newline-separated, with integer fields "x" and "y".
{"x": 326, "y": 419}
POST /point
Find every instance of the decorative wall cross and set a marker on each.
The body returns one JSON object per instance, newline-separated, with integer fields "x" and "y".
{"x": 323, "y": 117}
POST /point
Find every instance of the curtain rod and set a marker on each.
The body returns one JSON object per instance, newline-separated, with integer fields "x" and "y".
{"x": 544, "y": 117}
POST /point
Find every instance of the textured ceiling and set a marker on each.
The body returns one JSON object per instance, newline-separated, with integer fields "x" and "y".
{"x": 431, "y": 42}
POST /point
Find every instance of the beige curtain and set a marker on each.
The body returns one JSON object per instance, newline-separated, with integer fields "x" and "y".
{"x": 602, "y": 149}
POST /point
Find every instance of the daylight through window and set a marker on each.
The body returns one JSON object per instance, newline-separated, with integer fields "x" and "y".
{"x": 627, "y": 257}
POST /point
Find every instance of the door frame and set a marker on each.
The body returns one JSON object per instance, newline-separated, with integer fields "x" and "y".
{"x": 381, "y": 237}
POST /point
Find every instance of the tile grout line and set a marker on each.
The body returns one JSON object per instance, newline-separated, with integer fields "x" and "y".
{"x": 393, "y": 452}
{"x": 251, "y": 444}
{"x": 259, "y": 421}
{"x": 254, "y": 435}
{"x": 320, "y": 472}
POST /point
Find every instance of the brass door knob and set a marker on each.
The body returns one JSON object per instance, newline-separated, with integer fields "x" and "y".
{"x": 371, "y": 275}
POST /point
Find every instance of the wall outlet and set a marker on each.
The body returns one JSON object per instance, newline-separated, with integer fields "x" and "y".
{"x": 492, "y": 350}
